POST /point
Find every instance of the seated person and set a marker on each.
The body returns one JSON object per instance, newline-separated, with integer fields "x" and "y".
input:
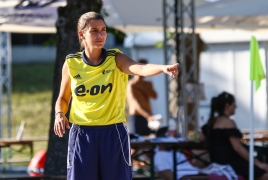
{"x": 163, "y": 160}
{"x": 224, "y": 139}
{"x": 202, "y": 159}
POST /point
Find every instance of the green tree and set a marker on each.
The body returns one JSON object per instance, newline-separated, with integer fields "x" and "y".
{"x": 67, "y": 42}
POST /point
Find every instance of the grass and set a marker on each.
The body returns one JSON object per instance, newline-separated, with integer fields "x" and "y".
{"x": 32, "y": 86}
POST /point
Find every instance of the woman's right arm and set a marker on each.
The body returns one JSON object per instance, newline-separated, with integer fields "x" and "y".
{"x": 242, "y": 151}
{"x": 201, "y": 136}
{"x": 62, "y": 103}
{"x": 131, "y": 67}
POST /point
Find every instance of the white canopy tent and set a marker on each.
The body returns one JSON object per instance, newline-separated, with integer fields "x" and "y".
{"x": 28, "y": 20}
{"x": 141, "y": 15}
{"x": 223, "y": 14}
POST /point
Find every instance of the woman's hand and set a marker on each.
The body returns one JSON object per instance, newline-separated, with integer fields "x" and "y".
{"x": 150, "y": 118}
{"x": 263, "y": 166}
{"x": 61, "y": 122}
{"x": 171, "y": 70}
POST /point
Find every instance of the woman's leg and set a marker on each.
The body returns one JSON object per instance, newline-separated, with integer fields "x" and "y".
{"x": 115, "y": 157}
{"x": 83, "y": 154}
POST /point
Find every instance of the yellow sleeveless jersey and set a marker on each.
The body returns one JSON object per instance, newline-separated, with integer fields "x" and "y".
{"x": 98, "y": 91}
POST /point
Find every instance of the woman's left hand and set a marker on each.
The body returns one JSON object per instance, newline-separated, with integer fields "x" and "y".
{"x": 263, "y": 166}
{"x": 171, "y": 70}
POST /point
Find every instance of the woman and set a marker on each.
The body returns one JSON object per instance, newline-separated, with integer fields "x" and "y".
{"x": 224, "y": 139}
{"x": 96, "y": 80}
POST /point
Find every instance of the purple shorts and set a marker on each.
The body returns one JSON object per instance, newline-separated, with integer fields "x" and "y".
{"x": 99, "y": 153}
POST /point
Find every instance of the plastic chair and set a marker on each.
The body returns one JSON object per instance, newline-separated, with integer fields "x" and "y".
{"x": 37, "y": 164}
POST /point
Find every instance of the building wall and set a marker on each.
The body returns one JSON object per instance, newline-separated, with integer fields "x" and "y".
{"x": 41, "y": 54}
{"x": 225, "y": 67}
{"x": 33, "y": 53}
{"x": 31, "y": 48}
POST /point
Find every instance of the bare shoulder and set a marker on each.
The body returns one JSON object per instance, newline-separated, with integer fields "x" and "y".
{"x": 123, "y": 62}
{"x": 121, "y": 58}
{"x": 65, "y": 69}
{"x": 229, "y": 123}
{"x": 148, "y": 82}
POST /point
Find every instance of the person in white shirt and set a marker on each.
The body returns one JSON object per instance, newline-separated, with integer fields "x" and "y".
{"x": 163, "y": 160}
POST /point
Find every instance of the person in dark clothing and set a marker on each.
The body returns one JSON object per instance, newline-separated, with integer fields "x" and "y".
{"x": 224, "y": 139}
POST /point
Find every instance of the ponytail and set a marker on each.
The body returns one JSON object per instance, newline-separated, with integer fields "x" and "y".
{"x": 217, "y": 108}
{"x": 211, "y": 120}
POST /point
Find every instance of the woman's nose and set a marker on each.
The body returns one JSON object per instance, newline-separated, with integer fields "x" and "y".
{"x": 100, "y": 33}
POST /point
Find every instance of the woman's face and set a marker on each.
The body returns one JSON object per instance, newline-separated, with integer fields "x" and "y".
{"x": 231, "y": 108}
{"x": 95, "y": 34}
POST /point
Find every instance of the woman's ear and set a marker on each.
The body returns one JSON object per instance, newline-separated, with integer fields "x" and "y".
{"x": 81, "y": 35}
{"x": 227, "y": 105}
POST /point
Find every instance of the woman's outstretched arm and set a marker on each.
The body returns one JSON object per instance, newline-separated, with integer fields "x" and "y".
{"x": 131, "y": 67}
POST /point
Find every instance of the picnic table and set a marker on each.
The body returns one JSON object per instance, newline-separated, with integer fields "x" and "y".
{"x": 180, "y": 145}
{"x": 24, "y": 143}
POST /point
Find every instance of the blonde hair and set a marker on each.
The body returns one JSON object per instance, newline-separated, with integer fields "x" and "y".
{"x": 83, "y": 22}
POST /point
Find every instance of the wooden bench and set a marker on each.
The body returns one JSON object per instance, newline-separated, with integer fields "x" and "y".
{"x": 36, "y": 178}
{"x": 15, "y": 160}
{"x": 144, "y": 178}
{"x": 195, "y": 177}
{"x": 22, "y": 146}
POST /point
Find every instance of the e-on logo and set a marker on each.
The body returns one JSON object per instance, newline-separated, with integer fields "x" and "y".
{"x": 107, "y": 71}
{"x": 94, "y": 90}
